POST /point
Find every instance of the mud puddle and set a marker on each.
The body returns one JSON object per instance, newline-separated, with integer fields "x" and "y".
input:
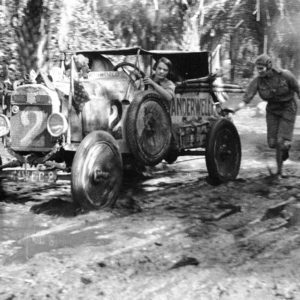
{"x": 42, "y": 218}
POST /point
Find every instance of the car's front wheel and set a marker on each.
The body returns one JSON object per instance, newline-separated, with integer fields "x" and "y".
{"x": 96, "y": 171}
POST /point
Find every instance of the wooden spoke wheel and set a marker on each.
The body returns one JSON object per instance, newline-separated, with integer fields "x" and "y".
{"x": 148, "y": 128}
{"x": 223, "y": 152}
{"x": 96, "y": 171}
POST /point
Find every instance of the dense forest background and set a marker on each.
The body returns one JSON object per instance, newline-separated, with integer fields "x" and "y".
{"x": 34, "y": 32}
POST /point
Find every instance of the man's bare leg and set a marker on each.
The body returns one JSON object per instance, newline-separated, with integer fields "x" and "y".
{"x": 282, "y": 154}
{"x": 279, "y": 160}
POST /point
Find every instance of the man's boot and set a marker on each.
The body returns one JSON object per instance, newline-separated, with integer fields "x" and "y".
{"x": 279, "y": 161}
{"x": 285, "y": 154}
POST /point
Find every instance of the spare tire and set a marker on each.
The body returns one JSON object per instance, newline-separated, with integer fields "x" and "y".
{"x": 148, "y": 128}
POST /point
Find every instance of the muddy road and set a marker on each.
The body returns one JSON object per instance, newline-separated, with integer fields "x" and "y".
{"x": 170, "y": 236}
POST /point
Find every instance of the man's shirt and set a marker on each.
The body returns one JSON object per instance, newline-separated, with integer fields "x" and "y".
{"x": 278, "y": 86}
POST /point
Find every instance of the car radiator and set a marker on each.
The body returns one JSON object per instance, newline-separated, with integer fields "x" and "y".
{"x": 29, "y": 123}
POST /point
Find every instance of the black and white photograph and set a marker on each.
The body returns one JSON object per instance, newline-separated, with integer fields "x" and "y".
{"x": 149, "y": 149}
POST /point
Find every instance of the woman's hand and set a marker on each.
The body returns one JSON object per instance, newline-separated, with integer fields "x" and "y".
{"x": 158, "y": 88}
{"x": 148, "y": 80}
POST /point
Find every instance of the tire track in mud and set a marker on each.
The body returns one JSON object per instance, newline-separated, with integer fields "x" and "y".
{"x": 27, "y": 236}
{"x": 191, "y": 204}
{"x": 175, "y": 221}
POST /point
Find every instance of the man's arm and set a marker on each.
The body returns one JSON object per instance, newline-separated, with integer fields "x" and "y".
{"x": 249, "y": 94}
{"x": 292, "y": 81}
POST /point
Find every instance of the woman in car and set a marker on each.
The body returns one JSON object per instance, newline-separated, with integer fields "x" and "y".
{"x": 159, "y": 81}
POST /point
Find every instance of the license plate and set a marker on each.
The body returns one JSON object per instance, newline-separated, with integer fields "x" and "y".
{"x": 34, "y": 175}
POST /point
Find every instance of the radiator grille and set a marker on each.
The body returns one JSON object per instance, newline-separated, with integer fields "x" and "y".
{"x": 29, "y": 128}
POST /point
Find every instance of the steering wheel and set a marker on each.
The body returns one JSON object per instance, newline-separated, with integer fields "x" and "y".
{"x": 134, "y": 75}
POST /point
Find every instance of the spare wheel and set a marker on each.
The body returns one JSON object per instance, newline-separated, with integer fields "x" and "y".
{"x": 148, "y": 128}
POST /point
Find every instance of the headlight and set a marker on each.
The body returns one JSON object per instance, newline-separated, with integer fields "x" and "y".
{"x": 57, "y": 124}
{"x": 4, "y": 125}
{"x": 15, "y": 109}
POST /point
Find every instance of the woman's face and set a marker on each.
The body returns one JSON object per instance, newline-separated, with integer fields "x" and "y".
{"x": 161, "y": 71}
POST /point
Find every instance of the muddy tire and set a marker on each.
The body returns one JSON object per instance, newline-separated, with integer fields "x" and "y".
{"x": 148, "y": 128}
{"x": 97, "y": 171}
{"x": 223, "y": 152}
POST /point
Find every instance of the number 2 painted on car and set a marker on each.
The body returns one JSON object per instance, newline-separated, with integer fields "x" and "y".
{"x": 35, "y": 124}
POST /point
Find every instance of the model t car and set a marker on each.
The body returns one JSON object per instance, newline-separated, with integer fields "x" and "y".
{"x": 93, "y": 118}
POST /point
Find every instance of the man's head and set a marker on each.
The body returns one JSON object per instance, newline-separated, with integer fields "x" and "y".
{"x": 263, "y": 64}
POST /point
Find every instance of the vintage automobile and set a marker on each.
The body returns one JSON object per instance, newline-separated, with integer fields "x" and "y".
{"x": 93, "y": 118}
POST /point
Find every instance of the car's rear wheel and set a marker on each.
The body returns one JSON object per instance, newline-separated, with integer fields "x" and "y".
{"x": 223, "y": 152}
{"x": 148, "y": 128}
{"x": 96, "y": 171}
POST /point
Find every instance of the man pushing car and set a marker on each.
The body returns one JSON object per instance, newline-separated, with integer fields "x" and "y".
{"x": 278, "y": 88}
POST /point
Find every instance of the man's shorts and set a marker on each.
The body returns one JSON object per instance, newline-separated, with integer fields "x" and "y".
{"x": 280, "y": 119}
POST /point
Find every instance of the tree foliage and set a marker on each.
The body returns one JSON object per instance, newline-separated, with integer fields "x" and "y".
{"x": 87, "y": 30}
{"x": 246, "y": 29}
{"x": 242, "y": 27}
{"x": 143, "y": 23}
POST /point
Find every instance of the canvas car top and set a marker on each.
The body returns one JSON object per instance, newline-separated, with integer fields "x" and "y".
{"x": 187, "y": 65}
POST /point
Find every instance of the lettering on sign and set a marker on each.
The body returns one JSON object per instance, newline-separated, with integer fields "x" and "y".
{"x": 192, "y": 106}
